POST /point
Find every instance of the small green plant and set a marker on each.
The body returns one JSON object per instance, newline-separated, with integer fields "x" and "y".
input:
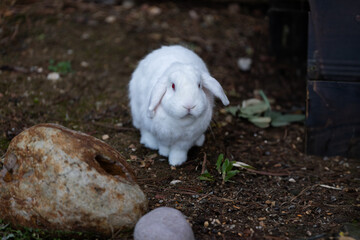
{"x": 206, "y": 176}
{"x": 4, "y": 144}
{"x": 224, "y": 168}
{"x": 63, "y": 67}
{"x": 260, "y": 114}
{"x": 8, "y": 232}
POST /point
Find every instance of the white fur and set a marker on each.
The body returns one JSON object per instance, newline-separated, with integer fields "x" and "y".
{"x": 173, "y": 121}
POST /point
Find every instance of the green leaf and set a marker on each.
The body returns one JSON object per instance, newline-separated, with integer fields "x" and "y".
{"x": 206, "y": 176}
{"x": 225, "y": 166}
{"x": 230, "y": 174}
{"x": 232, "y": 110}
{"x": 286, "y": 119}
{"x": 262, "y": 122}
{"x": 243, "y": 115}
{"x": 3, "y": 226}
{"x": 11, "y": 235}
{"x": 62, "y": 67}
{"x": 230, "y": 166}
{"x": 250, "y": 102}
{"x": 219, "y": 162}
{"x": 255, "y": 109}
{"x": 272, "y": 114}
{"x": 266, "y": 100}
{"x": 276, "y": 123}
{"x": 292, "y": 117}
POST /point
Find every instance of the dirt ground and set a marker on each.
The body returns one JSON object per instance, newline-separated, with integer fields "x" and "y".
{"x": 290, "y": 196}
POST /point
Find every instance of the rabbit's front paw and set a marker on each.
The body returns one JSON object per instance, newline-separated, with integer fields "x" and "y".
{"x": 164, "y": 150}
{"x": 200, "y": 141}
{"x": 148, "y": 140}
{"x": 177, "y": 157}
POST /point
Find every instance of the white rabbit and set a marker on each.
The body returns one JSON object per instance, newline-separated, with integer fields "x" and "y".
{"x": 171, "y": 98}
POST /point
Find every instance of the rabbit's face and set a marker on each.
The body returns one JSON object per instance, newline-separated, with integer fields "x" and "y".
{"x": 184, "y": 96}
{"x": 184, "y": 92}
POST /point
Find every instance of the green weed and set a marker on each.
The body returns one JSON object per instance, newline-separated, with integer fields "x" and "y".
{"x": 63, "y": 67}
{"x": 259, "y": 113}
{"x": 224, "y": 168}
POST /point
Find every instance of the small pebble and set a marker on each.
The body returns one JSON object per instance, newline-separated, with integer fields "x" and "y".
{"x": 244, "y": 64}
{"x": 84, "y": 64}
{"x": 119, "y": 125}
{"x": 54, "y": 76}
{"x": 110, "y": 19}
{"x": 105, "y": 137}
{"x": 154, "y": 11}
{"x": 132, "y": 147}
{"x": 206, "y": 224}
{"x": 85, "y": 35}
{"x": 292, "y": 180}
{"x": 173, "y": 182}
{"x": 193, "y": 15}
{"x": 127, "y": 4}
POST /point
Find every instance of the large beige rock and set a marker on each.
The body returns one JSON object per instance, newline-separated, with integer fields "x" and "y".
{"x": 56, "y": 178}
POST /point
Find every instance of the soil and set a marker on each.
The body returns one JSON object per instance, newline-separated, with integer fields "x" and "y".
{"x": 289, "y": 196}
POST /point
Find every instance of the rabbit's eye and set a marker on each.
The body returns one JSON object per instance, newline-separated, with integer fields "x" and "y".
{"x": 199, "y": 85}
{"x": 173, "y": 86}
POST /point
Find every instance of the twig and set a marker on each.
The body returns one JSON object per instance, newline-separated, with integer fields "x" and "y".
{"x": 203, "y": 164}
{"x": 266, "y": 173}
{"x": 285, "y": 133}
{"x": 15, "y": 32}
{"x": 337, "y": 206}
{"x": 13, "y": 69}
{"x": 274, "y": 238}
{"x": 113, "y": 127}
{"x": 304, "y": 190}
{"x": 182, "y": 192}
{"x": 330, "y": 187}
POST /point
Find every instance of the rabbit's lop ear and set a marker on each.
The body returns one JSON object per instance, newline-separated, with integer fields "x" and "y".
{"x": 214, "y": 86}
{"x": 156, "y": 95}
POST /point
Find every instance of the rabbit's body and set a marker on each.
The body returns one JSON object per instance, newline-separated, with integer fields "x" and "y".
{"x": 171, "y": 101}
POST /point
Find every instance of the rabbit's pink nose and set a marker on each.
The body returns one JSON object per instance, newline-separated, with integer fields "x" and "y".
{"x": 189, "y": 107}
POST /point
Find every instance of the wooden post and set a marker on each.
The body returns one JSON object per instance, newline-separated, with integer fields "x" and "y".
{"x": 333, "y": 83}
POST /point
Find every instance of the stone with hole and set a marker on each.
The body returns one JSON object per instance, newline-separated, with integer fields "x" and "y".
{"x": 58, "y": 179}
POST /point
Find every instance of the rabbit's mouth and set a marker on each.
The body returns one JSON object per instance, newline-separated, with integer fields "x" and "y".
{"x": 188, "y": 115}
